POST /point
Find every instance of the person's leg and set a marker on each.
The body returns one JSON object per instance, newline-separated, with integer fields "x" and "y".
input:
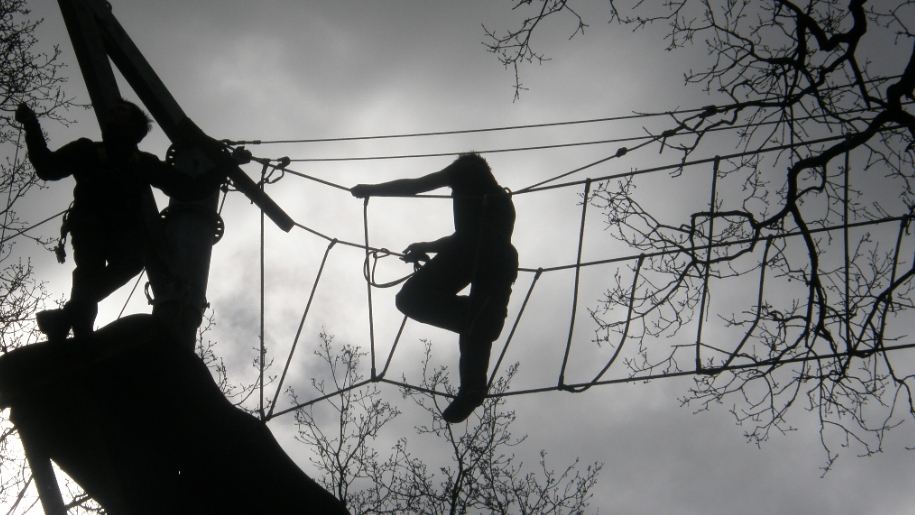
{"x": 106, "y": 257}
{"x": 489, "y": 296}
{"x": 472, "y": 368}
{"x": 88, "y": 255}
{"x": 431, "y": 295}
{"x": 125, "y": 250}
{"x": 81, "y": 313}
{"x": 88, "y": 239}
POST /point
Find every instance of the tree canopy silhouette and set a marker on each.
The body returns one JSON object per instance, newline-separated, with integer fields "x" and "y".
{"x": 797, "y": 274}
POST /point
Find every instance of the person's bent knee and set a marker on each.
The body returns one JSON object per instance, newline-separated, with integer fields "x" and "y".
{"x": 405, "y": 300}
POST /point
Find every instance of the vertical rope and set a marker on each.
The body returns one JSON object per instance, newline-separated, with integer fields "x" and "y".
{"x": 263, "y": 348}
{"x": 759, "y": 302}
{"x": 511, "y": 334}
{"x": 132, "y": 291}
{"x": 9, "y": 197}
{"x": 708, "y": 259}
{"x": 581, "y": 239}
{"x": 298, "y": 333}
{"x": 368, "y": 287}
{"x": 393, "y": 348}
{"x": 625, "y": 335}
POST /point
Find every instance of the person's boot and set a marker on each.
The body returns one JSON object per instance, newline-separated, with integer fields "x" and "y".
{"x": 473, "y": 365}
{"x": 82, "y": 315}
{"x": 54, "y": 323}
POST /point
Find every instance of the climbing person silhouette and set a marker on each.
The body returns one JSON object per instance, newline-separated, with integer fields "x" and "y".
{"x": 478, "y": 254}
{"x": 110, "y": 235}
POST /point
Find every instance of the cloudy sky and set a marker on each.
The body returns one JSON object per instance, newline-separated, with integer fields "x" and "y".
{"x": 301, "y": 70}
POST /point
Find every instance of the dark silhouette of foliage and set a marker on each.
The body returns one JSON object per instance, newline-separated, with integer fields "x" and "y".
{"x": 30, "y": 75}
{"x": 481, "y": 475}
{"x": 796, "y": 277}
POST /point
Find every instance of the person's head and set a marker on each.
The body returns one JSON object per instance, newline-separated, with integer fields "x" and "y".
{"x": 475, "y": 173}
{"x": 127, "y": 120}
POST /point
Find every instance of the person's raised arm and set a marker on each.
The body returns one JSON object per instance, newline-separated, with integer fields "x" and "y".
{"x": 49, "y": 166}
{"x": 402, "y": 187}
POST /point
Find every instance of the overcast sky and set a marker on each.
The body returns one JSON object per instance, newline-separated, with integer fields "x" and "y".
{"x": 291, "y": 69}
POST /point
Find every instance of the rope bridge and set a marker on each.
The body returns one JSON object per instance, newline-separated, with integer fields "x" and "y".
{"x": 663, "y": 283}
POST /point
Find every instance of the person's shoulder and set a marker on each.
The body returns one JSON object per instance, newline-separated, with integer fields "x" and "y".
{"x": 83, "y": 144}
{"x": 82, "y": 148}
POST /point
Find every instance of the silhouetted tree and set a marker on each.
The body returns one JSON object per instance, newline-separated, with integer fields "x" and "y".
{"x": 806, "y": 243}
{"x": 480, "y": 476}
{"x": 345, "y": 455}
{"x": 27, "y": 74}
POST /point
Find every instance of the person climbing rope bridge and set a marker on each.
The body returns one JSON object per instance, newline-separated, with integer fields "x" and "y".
{"x": 110, "y": 229}
{"x": 479, "y": 253}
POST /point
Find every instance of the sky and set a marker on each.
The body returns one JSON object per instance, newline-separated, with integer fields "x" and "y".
{"x": 292, "y": 70}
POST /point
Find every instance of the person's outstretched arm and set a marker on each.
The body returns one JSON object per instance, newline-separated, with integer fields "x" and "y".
{"x": 402, "y": 187}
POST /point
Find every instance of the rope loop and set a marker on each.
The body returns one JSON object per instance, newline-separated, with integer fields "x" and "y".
{"x": 368, "y": 271}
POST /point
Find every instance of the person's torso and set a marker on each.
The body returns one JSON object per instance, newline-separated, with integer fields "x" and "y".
{"x": 488, "y": 218}
{"x": 109, "y": 187}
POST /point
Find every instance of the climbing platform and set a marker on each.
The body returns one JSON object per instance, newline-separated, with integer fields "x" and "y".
{"x": 138, "y": 421}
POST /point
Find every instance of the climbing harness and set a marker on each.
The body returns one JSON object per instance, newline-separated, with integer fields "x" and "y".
{"x": 61, "y": 249}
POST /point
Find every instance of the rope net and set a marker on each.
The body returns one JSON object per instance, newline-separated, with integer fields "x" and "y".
{"x": 695, "y": 265}
{"x": 686, "y": 250}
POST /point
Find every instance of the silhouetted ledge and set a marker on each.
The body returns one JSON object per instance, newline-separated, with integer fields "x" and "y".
{"x": 140, "y": 424}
